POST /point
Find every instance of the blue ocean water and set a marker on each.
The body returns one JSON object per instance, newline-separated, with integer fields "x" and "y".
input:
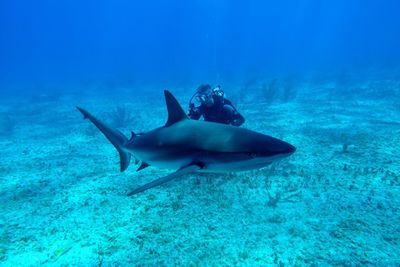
{"x": 323, "y": 76}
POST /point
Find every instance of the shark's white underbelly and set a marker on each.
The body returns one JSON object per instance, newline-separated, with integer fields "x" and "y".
{"x": 209, "y": 166}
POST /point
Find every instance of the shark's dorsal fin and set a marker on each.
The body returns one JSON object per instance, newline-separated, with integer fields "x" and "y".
{"x": 142, "y": 166}
{"x": 175, "y": 111}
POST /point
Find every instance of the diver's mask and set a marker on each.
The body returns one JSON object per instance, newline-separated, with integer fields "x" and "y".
{"x": 218, "y": 91}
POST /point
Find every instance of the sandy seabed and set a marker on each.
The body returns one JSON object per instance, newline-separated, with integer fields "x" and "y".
{"x": 335, "y": 202}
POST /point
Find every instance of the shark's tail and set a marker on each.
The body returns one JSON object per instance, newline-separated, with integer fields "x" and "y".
{"x": 114, "y": 136}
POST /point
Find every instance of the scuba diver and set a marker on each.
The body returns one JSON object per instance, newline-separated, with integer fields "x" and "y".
{"x": 214, "y": 106}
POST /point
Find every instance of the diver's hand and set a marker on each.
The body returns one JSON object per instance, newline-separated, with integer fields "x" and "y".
{"x": 239, "y": 120}
{"x": 235, "y": 123}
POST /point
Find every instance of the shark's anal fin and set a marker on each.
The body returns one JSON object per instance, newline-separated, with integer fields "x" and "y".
{"x": 182, "y": 171}
{"x": 142, "y": 166}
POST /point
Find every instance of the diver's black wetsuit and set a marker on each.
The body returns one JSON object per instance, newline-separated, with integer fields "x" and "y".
{"x": 222, "y": 111}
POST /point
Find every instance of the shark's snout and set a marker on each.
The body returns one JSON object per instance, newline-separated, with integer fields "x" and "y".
{"x": 280, "y": 147}
{"x": 290, "y": 149}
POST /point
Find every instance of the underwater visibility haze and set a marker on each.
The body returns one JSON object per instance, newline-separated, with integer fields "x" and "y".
{"x": 317, "y": 77}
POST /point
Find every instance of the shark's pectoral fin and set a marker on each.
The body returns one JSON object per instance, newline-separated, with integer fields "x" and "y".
{"x": 182, "y": 171}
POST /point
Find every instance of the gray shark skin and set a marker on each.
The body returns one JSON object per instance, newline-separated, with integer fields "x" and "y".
{"x": 189, "y": 146}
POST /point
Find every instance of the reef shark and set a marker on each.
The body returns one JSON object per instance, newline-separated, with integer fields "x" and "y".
{"x": 190, "y": 146}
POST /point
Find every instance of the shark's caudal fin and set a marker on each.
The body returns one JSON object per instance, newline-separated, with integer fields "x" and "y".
{"x": 175, "y": 111}
{"x": 114, "y": 136}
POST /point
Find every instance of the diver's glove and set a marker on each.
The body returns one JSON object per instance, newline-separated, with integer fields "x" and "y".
{"x": 235, "y": 123}
{"x": 239, "y": 120}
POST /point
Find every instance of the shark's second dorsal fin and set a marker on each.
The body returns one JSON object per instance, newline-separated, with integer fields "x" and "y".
{"x": 175, "y": 111}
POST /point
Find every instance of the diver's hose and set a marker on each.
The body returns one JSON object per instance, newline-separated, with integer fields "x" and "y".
{"x": 191, "y": 99}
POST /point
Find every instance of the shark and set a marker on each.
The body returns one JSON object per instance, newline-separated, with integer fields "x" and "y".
{"x": 189, "y": 146}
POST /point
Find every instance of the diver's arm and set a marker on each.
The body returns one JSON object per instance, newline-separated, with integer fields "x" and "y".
{"x": 238, "y": 119}
{"x": 227, "y": 102}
